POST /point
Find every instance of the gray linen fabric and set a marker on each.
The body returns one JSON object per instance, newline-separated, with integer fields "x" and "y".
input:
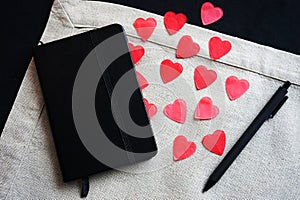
{"x": 268, "y": 168}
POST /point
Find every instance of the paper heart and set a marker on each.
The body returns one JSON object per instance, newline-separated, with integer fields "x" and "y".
{"x": 169, "y": 70}
{"x": 210, "y": 14}
{"x": 176, "y": 111}
{"x": 218, "y": 48}
{"x": 142, "y": 81}
{"x": 215, "y": 142}
{"x": 137, "y": 52}
{"x": 182, "y": 148}
{"x": 150, "y": 107}
{"x": 144, "y": 28}
{"x": 174, "y": 22}
{"x": 204, "y": 77}
{"x": 235, "y": 87}
{"x": 205, "y": 109}
{"x": 186, "y": 47}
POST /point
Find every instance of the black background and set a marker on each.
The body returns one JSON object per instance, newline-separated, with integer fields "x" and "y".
{"x": 273, "y": 23}
{"x": 21, "y": 31}
{"x": 270, "y": 22}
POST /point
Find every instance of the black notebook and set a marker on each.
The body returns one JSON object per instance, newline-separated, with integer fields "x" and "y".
{"x": 94, "y": 104}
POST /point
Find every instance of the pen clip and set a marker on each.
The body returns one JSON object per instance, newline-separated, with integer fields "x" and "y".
{"x": 278, "y": 107}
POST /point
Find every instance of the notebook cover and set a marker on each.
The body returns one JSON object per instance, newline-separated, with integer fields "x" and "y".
{"x": 80, "y": 145}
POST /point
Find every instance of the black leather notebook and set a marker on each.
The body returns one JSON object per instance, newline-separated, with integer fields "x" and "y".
{"x": 94, "y": 104}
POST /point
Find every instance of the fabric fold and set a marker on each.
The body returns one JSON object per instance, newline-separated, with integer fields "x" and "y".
{"x": 268, "y": 166}
{"x": 244, "y": 54}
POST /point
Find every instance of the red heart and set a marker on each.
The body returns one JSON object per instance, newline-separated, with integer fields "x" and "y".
{"x": 142, "y": 80}
{"x": 186, "y": 47}
{"x": 137, "y": 52}
{"x": 215, "y": 142}
{"x": 174, "y": 22}
{"x": 144, "y": 28}
{"x": 176, "y": 111}
{"x": 182, "y": 148}
{"x": 210, "y": 14}
{"x": 169, "y": 70}
{"x": 235, "y": 87}
{"x": 204, "y": 77}
{"x": 218, "y": 48}
{"x": 205, "y": 109}
{"x": 150, "y": 107}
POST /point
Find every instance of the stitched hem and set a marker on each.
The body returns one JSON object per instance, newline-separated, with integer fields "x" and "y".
{"x": 244, "y": 54}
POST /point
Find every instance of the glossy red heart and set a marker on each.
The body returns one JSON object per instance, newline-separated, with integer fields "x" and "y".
{"x": 182, "y": 148}
{"x": 137, "y": 52}
{"x": 144, "y": 28}
{"x": 210, "y": 14}
{"x": 150, "y": 107}
{"x": 142, "y": 80}
{"x": 174, "y": 22}
{"x": 215, "y": 142}
{"x": 205, "y": 109}
{"x": 235, "y": 87}
{"x": 176, "y": 111}
{"x": 204, "y": 77}
{"x": 169, "y": 70}
{"x": 186, "y": 47}
{"x": 218, "y": 48}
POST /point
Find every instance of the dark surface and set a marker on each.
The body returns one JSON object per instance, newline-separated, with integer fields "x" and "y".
{"x": 21, "y": 31}
{"x": 270, "y": 22}
{"x": 57, "y": 65}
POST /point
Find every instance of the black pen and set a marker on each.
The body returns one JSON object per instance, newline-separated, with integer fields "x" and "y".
{"x": 270, "y": 109}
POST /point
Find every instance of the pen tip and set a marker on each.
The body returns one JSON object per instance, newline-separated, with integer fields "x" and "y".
{"x": 209, "y": 184}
